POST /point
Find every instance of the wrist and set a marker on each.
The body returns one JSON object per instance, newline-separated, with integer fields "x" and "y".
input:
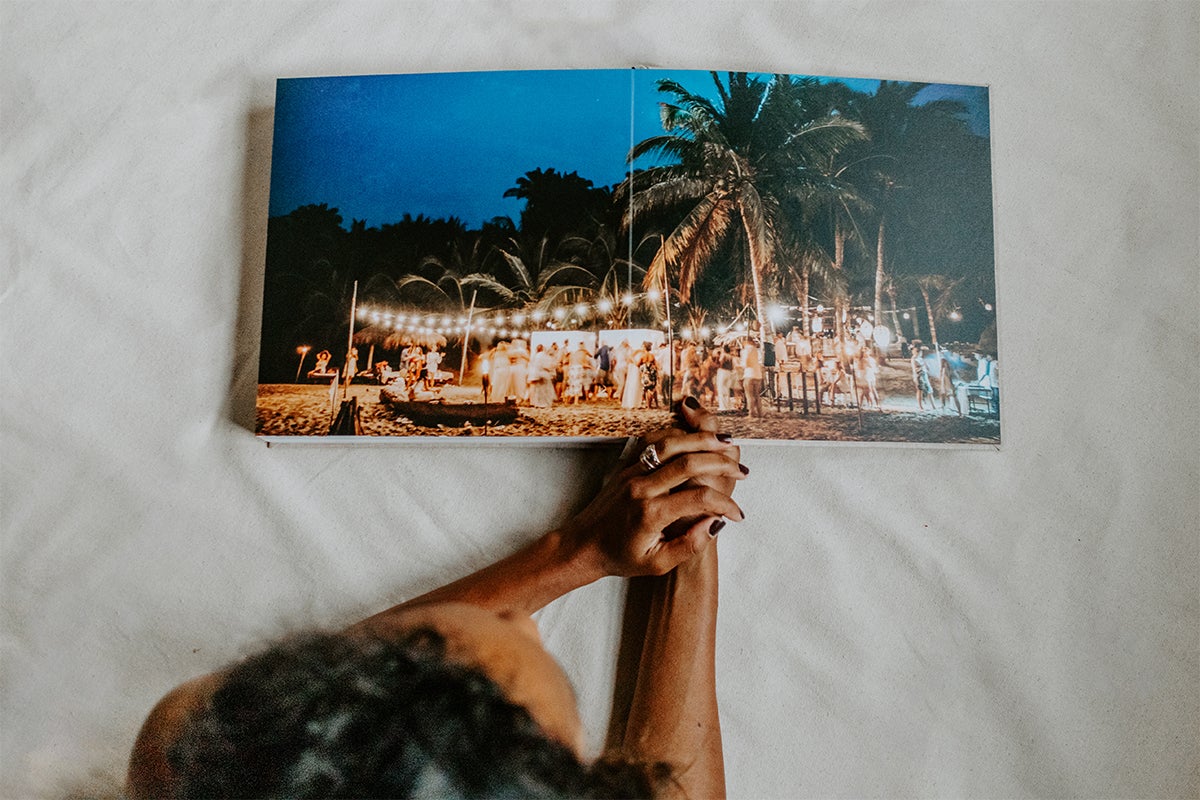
{"x": 579, "y": 558}
{"x": 701, "y": 567}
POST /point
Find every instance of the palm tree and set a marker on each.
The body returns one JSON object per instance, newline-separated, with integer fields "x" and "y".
{"x": 900, "y": 129}
{"x": 735, "y": 158}
{"x": 938, "y": 293}
{"x": 534, "y": 277}
{"x": 557, "y": 203}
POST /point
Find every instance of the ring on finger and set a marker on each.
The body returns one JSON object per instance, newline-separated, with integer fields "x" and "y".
{"x": 649, "y": 458}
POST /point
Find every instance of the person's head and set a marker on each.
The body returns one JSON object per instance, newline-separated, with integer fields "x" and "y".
{"x": 446, "y": 700}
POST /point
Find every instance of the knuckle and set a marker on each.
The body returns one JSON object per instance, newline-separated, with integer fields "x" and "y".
{"x": 638, "y": 490}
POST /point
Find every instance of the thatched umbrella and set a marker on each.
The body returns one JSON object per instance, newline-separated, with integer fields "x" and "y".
{"x": 397, "y": 340}
{"x": 390, "y": 339}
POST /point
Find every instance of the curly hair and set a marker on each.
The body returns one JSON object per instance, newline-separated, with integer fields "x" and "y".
{"x": 327, "y": 715}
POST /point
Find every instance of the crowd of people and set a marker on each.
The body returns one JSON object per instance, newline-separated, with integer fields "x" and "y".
{"x": 646, "y": 375}
{"x": 732, "y": 374}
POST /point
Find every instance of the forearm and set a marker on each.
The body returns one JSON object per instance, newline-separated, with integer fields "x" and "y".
{"x": 673, "y": 715}
{"x": 524, "y": 582}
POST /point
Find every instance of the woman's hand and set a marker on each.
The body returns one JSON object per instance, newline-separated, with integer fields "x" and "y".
{"x": 647, "y": 523}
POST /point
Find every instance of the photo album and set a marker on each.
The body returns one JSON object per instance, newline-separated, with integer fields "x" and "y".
{"x": 561, "y": 256}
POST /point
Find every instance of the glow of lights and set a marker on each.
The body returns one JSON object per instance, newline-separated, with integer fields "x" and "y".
{"x": 820, "y": 309}
{"x": 954, "y": 315}
{"x": 664, "y": 324}
{"x": 905, "y": 315}
{"x": 653, "y": 295}
{"x": 580, "y": 309}
{"x": 559, "y": 313}
{"x": 882, "y": 336}
{"x": 741, "y": 326}
{"x": 987, "y": 307}
{"x": 605, "y": 306}
{"x": 704, "y": 332}
{"x": 302, "y": 349}
{"x": 777, "y": 314}
{"x": 539, "y": 315}
{"x": 627, "y": 299}
{"x": 462, "y": 320}
{"x": 499, "y": 320}
{"x": 518, "y": 319}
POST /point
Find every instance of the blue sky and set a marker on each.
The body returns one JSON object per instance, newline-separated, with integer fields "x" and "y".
{"x": 449, "y": 144}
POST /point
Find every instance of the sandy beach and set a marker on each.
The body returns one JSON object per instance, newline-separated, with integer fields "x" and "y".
{"x": 305, "y": 410}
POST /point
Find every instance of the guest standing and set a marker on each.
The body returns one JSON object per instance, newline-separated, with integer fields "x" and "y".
{"x": 752, "y": 377}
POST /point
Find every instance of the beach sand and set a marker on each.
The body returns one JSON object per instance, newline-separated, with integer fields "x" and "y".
{"x": 300, "y": 410}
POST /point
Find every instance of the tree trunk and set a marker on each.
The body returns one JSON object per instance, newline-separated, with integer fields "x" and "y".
{"x": 891, "y": 293}
{"x": 929, "y": 311}
{"x": 839, "y": 261}
{"x": 805, "y": 327}
{"x": 764, "y": 324}
{"x": 878, "y": 320}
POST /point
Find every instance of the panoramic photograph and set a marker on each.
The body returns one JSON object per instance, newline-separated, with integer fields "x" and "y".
{"x": 569, "y": 253}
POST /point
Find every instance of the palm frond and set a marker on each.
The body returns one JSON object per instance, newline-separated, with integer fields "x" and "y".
{"x": 823, "y": 139}
{"x": 673, "y": 146}
{"x": 561, "y": 274}
{"x": 693, "y": 102}
{"x": 669, "y": 191}
{"x": 488, "y": 283}
{"x": 691, "y": 245}
{"x": 518, "y": 267}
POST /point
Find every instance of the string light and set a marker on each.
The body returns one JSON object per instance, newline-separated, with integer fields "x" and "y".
{"x": 513, "y": 323}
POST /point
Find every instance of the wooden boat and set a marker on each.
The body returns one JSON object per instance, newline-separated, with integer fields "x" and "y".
{"x": 431, "y": 413}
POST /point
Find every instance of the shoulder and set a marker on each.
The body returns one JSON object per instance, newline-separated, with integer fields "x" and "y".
{"x": 150, "y": 773}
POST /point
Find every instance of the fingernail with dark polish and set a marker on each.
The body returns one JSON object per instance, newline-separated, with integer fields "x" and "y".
{"x": 692, "y": 403}
{"x": 724, "y": 437}
{"x": 745, "y": 470}
{"x": 715, "y": 528}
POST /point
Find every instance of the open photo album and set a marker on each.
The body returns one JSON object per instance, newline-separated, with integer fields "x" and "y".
{"x": 567, "y": 254}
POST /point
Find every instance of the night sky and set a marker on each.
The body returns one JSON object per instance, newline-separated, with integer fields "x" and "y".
{"x": 449, "y": 144}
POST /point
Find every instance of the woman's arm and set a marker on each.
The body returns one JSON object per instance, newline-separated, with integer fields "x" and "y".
{"x": 639, "y": 524}
{"x": 673, "y": 715}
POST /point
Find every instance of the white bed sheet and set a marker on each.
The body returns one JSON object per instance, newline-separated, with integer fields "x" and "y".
{"x": 895, "y": 623}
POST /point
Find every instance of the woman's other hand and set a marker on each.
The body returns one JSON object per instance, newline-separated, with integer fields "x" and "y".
{"x": 647, "y": 522}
